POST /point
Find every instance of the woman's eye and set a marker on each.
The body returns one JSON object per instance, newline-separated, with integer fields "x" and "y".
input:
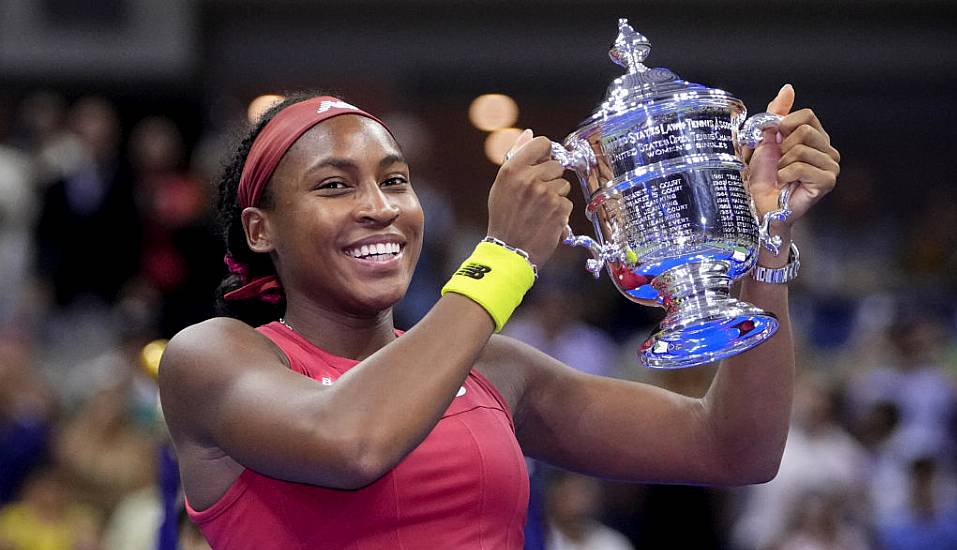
{"x": 395, "y": 180}
{"x": 330, "y": 186}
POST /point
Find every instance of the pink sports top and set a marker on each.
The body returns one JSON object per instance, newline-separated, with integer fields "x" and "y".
{"x": 464, "y": 487}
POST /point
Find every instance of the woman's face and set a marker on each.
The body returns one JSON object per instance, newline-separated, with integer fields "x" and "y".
{"x": 345, "y": 227}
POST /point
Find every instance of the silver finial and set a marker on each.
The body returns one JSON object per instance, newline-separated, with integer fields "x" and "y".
{"x": 630, "y": 48}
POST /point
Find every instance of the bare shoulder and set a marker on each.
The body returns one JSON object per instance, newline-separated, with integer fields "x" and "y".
{"x": 200, "y": 350}
{"x": 518, "y": 370}
{"x": 200, "y": 361}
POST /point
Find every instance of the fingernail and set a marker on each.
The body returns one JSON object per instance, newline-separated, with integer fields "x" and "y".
{"x": 778, "y": 137}
{"x": 786, "y": 86}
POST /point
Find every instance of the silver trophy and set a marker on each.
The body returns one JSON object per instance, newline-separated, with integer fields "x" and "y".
{"x": 660, "y": 166}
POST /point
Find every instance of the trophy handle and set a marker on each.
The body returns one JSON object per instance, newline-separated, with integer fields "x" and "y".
{"x": 578, "y": 156}
{"x": 773, "y": 243}
{"x": 594, "y": 264}
{"x": 751, "y": 134}
{"x": 752, "y": 131}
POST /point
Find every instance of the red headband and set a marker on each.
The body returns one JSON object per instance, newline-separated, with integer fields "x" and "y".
{"x": 279, "y": 134}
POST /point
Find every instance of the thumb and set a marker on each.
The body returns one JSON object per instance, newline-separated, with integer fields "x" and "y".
{"x": 782, "y": 103}
{"x": 521, "y": 140}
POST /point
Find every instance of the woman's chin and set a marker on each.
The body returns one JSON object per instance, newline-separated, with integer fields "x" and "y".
{"x": 383, "y": 299}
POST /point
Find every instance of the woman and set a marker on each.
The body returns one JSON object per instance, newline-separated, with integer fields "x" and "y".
{"x": 325, "y": 428}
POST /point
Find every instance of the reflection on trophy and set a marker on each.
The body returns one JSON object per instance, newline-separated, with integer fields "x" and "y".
{"x": 660, "y": 166}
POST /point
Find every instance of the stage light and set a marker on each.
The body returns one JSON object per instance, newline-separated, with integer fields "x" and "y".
{"x": 492, "y": 112}
{"x": 260, "y": 105}
{"x": 499, "y": 142}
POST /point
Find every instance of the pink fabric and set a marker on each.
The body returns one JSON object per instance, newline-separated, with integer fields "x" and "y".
{"x": 464, "y": 487}
{"x": 266, "y": 288}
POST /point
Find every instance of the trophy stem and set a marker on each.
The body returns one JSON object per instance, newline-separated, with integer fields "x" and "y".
{"x": 703, "y": 323}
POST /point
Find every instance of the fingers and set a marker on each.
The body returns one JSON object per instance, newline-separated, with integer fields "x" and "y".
{"x": 815, "y": 180}
{"x": 534, "y": 151}
{"x": 782, "y": 103}
{"x": 549, "y": 170}
{"x": 795, "y": 120}
{"x": 809, "y": 133}
{"x": 811, "y": 156}
{"x": 521, "y": 140}
{"x": 560, "y": 186}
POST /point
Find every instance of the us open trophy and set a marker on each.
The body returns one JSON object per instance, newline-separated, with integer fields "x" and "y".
{"x": 660, "y": 166}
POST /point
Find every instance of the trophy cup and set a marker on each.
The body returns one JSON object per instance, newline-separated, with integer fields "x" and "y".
{"x": 660, "y": 166}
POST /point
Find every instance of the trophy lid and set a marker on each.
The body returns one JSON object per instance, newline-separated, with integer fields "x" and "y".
{"x": 641, "y": 85}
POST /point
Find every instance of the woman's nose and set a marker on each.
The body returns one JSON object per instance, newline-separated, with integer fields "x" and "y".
{"x": 376, "y": 206}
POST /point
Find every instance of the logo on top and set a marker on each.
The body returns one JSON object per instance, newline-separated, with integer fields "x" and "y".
{"x": 474, "y": 271}
{"x": 337, "y": 104}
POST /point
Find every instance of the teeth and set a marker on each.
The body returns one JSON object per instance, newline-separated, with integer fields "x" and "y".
{"x": 375, "y": 249}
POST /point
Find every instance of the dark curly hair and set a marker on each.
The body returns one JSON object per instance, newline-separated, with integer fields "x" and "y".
{"x": 252, "y": 311}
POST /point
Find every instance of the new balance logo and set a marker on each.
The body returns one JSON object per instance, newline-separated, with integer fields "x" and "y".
{"x": 474, "y": 271}
{"x": 326, "y": 105}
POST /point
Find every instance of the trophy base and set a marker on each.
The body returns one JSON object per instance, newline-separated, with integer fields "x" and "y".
{"x": 704, "y": 323}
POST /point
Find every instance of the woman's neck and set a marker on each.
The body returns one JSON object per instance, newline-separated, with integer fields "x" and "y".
{"x": 350, "y": 336}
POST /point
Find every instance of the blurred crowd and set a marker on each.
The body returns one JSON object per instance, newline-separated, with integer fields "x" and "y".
{"x": 108, "y": 242}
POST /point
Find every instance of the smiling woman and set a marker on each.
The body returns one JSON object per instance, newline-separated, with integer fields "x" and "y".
{"x": 286, "y": 152}
{"x": 303, "y": 419}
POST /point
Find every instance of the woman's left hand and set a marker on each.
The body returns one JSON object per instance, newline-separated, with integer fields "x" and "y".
{"x": 804, "y": 159}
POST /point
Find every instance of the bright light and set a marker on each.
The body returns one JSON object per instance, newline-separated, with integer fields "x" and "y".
{"x": 492, "y": 112}
{"x": 499, "y": 142}
{"x": 260, "y": 105}
{"x": 150, "y": 357}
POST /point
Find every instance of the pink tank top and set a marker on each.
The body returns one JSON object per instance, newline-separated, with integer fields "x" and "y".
{"x": 464, "y": 487}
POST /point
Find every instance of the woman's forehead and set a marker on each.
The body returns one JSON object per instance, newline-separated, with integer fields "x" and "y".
{"x": 345, "y": 135}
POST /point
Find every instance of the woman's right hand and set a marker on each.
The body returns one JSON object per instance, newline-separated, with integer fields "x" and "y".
{"x": 528, "y": 206}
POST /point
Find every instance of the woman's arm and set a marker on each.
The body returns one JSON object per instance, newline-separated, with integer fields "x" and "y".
{"x": 735, "y": 434}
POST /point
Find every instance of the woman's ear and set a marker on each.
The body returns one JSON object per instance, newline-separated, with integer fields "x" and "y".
{"x": 258, "y": 230}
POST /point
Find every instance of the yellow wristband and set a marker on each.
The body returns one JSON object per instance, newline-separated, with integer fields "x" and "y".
{"x": 495, "y": 278}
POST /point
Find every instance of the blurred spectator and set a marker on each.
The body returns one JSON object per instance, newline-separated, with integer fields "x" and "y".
{"x": 913, "y": 380}
{"x": 41, "y": 131}
{"x": 180, "y": 246}
{"x": 102, "y": 449}
{"x": 821, "y": 523}
{"x": 47, "y": 518}
{"x": 930, "y": 262}
{"x": 89, "y": 232}
{"x": 929, "y": 522}
{"x": 855, "y": 244}
{"x": 18, "y": 206}
{"x": 26, "y": 414}
{"x": 820, "y": 458}
{"x": 117, "y": 367}
{"x": 134, "y": 524}
{"x": 572, "y": 505}
{"x": 225, "y": 116}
